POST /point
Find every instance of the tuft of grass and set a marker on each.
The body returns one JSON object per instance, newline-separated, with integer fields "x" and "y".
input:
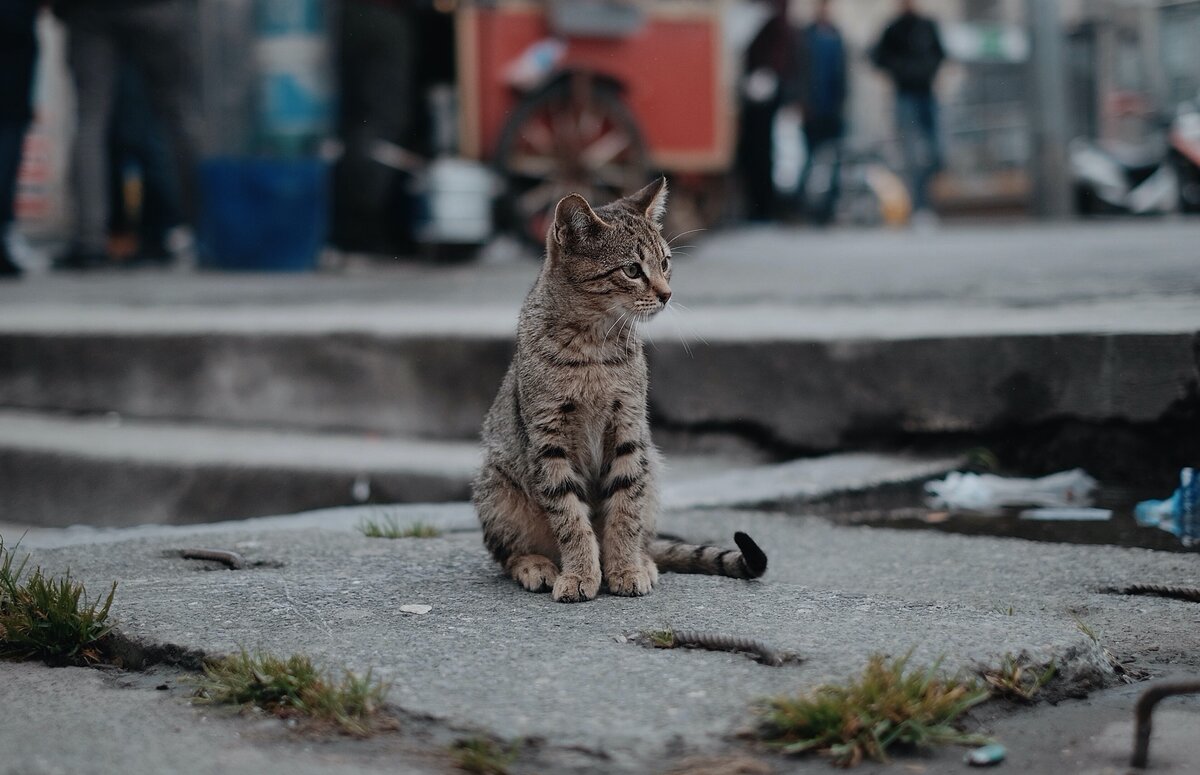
{"x": 292, "y": 687}
{"x": 887, "y": 705}
{"x": 50, "y": 618}
{"x": 483, "y": 756}
{"x": 390, "y": 528}
{"x": 660, "y": 639}
{"x": 1008, "y": 610}
{"x": 1016, "y": 679}
{"x": 1083, "y": 627}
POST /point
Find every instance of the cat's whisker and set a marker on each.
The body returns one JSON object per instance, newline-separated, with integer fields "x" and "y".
{"x": 614, "y": 325}
{"x": 687, "y": 348}
{"x": 683, "y": 234}
{"x": 695, "y": 332}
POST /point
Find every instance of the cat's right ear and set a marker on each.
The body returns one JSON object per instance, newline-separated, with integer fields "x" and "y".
{"x": 575, "y": 221}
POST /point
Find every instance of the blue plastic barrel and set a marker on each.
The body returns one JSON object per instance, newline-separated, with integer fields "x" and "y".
{"x": 263, "y": 214}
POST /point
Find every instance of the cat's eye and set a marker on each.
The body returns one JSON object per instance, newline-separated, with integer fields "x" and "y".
{"x": 633, "y": 270}
{"x": 664, "y": 265}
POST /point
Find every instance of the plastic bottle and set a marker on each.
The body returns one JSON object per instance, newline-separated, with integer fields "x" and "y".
{"x": 1179, "y": 514}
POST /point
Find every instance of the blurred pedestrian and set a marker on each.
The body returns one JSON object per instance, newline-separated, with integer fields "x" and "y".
{"x": 910, "y": 52}
{"x": 816, "y": 85}
{"x": 379, "y": 49}
{"x": 140, "y": 220}
{"x": 18, "y": 52}
{"x": 158, "y": 38}
{"x": 766, "y": 61}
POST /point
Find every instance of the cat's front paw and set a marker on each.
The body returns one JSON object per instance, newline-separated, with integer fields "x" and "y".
{"x": 573, "y": 588}
{"x": 633, "y": 580}
{"x": 534, "y": 572}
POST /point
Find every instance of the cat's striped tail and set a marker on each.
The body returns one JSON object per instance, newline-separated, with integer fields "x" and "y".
{"x": 675, "y": 556}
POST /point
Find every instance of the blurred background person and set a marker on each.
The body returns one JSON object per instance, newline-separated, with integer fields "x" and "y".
{"x": 158, "y": 38}
{"x": 143, "y": 190}
{"x": 379, "y": 95}
{"x": 816, "y": 85}
{"x": 910, "y": 52}
{"x": 18, "y": 52}
{"x": 765, "y": 64}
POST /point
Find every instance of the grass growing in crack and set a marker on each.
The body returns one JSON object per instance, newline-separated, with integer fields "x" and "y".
{"x": 483, "y": 756}
{"x": 292, "y": 687}
{"x": 388, "y": 527}
{"x": 1083, "y": 627}
{"x": 1016, "y": 679}
{"x": 660, "y": 639}
{"x": 48, "y": 618}
{"x": 887, "y": 705}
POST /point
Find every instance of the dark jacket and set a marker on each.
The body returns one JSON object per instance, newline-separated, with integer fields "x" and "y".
{"x": 18, "y": 52}
{"x": 911, "y": 52}
{"x": 816, "y": 75}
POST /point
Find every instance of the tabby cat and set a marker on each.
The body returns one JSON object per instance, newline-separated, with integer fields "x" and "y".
{"x": 568, "y": 493}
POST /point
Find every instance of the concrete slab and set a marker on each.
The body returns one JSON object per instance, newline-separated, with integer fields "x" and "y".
{"x": 77, "y": 720}
{"x": 493, "y": 656}
{"x": 807, "y": 341}
{"x": 110, "y": 471}
{"x": 792, "y": 393}
{"x": 113, "y": 472}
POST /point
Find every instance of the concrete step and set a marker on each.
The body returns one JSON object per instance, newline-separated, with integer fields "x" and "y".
{"x": 818, "y": 378}
{"x": 107, "y": 471}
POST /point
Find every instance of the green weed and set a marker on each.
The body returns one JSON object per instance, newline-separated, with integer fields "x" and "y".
{"x": 484, "y": 757}
{"x": 1083, "y": 627}
{"x": 1016, "y": 679}
{"x": 389, "y": 527}
{"x": 887, "y": 705}
{"x": 660, "y": 639}
{"x": 48, "y": 618}
{"x": 292, "y": 687}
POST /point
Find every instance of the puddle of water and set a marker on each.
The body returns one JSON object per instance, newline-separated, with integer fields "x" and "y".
{"x": 904, "y": 508}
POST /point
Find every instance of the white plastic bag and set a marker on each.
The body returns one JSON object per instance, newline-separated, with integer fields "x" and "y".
{"x": 981, "y": 492}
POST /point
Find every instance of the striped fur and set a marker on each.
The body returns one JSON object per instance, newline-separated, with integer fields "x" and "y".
{"x": 676, "y": 556}
{"x": 568, "y": 492}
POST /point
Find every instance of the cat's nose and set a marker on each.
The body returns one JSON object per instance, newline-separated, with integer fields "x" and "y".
{"x": 664, "y": 296}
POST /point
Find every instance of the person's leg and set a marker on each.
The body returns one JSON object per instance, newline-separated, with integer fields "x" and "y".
{"x": 926, "y": 116}
{"x": 825, "y": 145}
{"x": 911, "y": 146}
{"x": 810, "y": 149}
{"x": 758, "y": 159}
{"x": 12, "y": 140}
{"x": 378, "y": 79}
{"x": 91, "y": 54}
{"x": 161, "y": 41}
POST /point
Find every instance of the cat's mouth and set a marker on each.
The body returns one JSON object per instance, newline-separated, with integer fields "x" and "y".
{"x": 644, "y": 312}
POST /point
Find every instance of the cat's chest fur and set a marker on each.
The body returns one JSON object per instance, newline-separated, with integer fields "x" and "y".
{"x": 597, "y": 392}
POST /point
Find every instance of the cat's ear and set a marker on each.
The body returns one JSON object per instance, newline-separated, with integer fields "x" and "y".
{"x": 651, "y": 201}
{"x": 575, "y": 221}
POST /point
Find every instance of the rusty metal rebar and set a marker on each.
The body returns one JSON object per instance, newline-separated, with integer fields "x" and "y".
{"x": 232, "y": 560}
{"x": 1144, "y": 711}
{"x": 712, "y": 641}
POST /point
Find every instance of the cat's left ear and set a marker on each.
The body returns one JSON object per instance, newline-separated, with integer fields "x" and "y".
{"x": 651, "y": 201}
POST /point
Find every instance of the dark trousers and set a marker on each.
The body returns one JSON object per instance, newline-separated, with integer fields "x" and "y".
{"x": 12, "y": 140}
{"x": 159, "y": 40}
{"x": 917, "y": 125}
{"x": 136, "y": 137}
{"x": 757, "y": 159}
{"x": 378, "y": 82}
{"x": 823, "y": 136}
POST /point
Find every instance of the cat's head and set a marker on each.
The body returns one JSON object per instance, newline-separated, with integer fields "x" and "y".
{"x": 614, "y": 257}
